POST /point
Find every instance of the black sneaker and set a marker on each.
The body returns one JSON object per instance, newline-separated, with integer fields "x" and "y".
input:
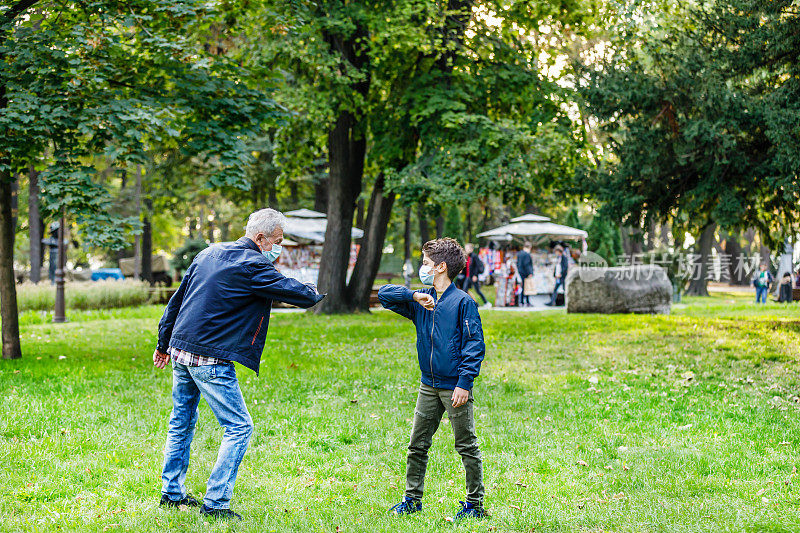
{"x": 188, "y": 501}
{"x": 225, "y": 514}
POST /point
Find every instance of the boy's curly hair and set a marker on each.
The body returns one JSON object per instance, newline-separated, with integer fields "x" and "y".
{"x": 447, "y": 250}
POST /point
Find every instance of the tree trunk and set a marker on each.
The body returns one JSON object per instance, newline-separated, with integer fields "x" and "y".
{"x": 9, "y": 314}
{"x": 663, "y": 235}
{"x": 34, "y": 225}
{"x": 440, "y": 226}
{"x": 293, "y": 196}
{"x": 369, "y": 258}
{"x": 321, "y": 195}
{"x": 407, "y": 236}
{"x": 147, "y": 242}
{"x": 137, "y": 239}
{"x": 635, "y": 241}
{"x": 224, "y": 231}
{"x": 424, "y": 228}
{"x": 346, "y": 150}
{"x": 738, "y": 265}
{"x": 272, "y": 196}
{"x": 360, "y": 210}
{"x": 698, "y": 286}
{"x": 650, "y": 244}
{"x": 347, "y": 147}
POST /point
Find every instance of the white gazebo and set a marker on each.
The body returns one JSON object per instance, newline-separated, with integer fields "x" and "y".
{"x": 530, "y": 217}
{"x": 306, "y": 229}
{"x": 536, "y": 232}
{"x": 309, "y": 226}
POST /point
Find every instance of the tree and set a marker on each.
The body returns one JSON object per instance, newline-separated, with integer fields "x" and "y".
{"x": 91, "y": 77}
{"x": 695, "y": 110}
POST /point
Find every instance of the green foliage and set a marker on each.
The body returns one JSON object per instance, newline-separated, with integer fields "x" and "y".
{"x": 572, "y": 220}
{"x": 605, "y": 239}
{"x": 94, "y": 77}
{"x": 452, "y": 224}
{"x": 84, "y": 295}
{"x": 186, "y": 254}
{"x": 698, "y": 106}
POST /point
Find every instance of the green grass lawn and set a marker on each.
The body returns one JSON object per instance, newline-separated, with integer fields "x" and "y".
{"x": 687, "y": 422}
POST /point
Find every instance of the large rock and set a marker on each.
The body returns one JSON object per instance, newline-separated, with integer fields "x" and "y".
{"x": 631, "y": 289}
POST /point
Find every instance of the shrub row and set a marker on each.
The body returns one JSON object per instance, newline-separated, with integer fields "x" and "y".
{"x": 84, "y": 295}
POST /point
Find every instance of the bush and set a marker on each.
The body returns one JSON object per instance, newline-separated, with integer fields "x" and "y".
{"x": 84, "y": 295}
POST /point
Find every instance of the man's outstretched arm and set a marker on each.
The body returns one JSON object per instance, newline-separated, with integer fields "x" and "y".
{"x": 269, "y": 283}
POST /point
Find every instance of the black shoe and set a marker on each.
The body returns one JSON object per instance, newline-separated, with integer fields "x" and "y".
{"x": 549, "y": 303}
{"x": 219, "y": 513}
{"x": 188, "y": 501}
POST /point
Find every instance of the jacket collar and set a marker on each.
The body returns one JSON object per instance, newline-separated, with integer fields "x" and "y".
{"x": 447, "y": 291}
{"x": 247, "y": 242}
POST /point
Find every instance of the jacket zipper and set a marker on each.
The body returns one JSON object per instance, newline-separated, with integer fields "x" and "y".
{"x": 433, "y": 378}
{"x": 259, "y": 329}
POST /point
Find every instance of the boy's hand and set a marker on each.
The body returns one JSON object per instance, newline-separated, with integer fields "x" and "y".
{"x": 160, "y": 359}
{"x": 425, "y": 300}
{"x": 460, "y": 397}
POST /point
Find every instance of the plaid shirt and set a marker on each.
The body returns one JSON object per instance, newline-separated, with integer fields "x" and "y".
{"x": 190, "y": 359}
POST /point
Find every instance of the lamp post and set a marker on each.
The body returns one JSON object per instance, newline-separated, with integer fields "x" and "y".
{"x": 60, "y": 311}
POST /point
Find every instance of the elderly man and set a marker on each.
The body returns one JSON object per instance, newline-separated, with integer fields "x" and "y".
{"x": 219, "y": 315}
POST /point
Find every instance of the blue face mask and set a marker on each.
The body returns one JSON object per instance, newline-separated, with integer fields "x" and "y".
{"x": 426, "y": 275}
{"x": 273, "y": 254}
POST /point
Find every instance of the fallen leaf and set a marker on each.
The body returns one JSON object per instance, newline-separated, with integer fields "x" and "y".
{"x": 581, "y": 462}
{"x": 515, "y": 507}
{"x": 594, "y": 380}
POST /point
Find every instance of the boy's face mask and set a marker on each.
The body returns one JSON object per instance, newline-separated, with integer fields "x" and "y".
{"x": 426, "y": 275}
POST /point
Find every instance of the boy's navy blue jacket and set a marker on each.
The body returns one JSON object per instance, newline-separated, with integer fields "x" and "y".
{"x": 222, "y": 307}
{"x": 450, "y": 343}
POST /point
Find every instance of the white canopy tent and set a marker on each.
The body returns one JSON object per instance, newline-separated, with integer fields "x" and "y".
{"x": 308, "y": 225}
{"x": 536, "y": 232}
{"x": 530, "y": 217}
{"x": 305, "y": 213}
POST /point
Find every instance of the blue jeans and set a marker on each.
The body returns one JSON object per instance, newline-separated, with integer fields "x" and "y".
{"x": 761, "y": 293}
{"x": 219, "y": 386}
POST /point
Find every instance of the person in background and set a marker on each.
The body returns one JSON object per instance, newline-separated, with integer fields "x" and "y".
{"x": 762, "y": 281}
{"x": 562, "y": 265}
{"x": 785, "y": 292}
{"x": 524, "y": 270}
{"x": 475, "y": 268}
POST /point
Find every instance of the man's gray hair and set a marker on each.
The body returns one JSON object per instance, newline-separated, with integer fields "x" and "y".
{"x": 264, "y": 221}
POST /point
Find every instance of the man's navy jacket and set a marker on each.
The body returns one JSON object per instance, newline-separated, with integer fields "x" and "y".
{"x": 450, "y": 343}
{"x": 222, "y": 307}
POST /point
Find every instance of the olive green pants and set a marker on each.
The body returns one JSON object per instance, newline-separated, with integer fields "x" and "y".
{"x": 431, "y": 405}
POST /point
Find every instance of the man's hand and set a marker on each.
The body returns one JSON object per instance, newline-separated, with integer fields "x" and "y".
{"x": 160, "y": 360}
{"x": 425, "y": 300}
{"x": 460, "y": 397}
{"x": 474, "y": 279}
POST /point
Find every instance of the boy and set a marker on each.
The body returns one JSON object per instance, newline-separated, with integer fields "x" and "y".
{"x": 450, "y": 349}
